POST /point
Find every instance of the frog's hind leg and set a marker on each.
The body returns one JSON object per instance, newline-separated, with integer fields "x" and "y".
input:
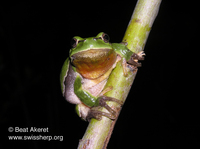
{"x": 98, "y": 115}
{"x": 101, "y": 102}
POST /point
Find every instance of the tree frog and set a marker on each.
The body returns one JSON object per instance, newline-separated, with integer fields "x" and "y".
{"x": 86, "y": 71}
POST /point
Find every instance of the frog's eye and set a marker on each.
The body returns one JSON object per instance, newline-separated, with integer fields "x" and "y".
{"x": 105, "y": 37}
{"x": 74, "y": 42}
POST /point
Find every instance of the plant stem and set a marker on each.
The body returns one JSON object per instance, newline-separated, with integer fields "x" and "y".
{"x": 98, "y": 133}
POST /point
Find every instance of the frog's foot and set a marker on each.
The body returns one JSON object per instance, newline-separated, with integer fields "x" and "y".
{"x": 141, "y": 54}
{"x": 135, "y": 57}
{"x": 133, "y": 62}
{"x": 95, "y": 113}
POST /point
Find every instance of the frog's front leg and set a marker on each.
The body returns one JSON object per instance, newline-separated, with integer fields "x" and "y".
{"x": 135, "y": 58}
{"x": 101, "y": 102}
{"x": 132, "y": 62}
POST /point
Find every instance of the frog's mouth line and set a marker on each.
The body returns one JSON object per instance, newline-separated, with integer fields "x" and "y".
{"x": 93, "y": 63}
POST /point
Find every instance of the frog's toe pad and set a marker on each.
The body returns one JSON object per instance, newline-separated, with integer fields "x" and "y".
{"x": 98, "y": 115}
{"x": 141, "y": 55}
{"x": 135, "y": 57}
{"x": 101, "y": 102}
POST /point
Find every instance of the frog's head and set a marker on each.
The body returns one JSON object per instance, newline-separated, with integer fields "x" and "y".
{"x": 92, "y": 56}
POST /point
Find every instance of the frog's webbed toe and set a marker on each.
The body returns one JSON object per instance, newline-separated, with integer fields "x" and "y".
{"x": 134, "y": 63}
{"x": 98, "y": 115}
{"x": 135, "y": 58}
{"x": 101, "y": 102}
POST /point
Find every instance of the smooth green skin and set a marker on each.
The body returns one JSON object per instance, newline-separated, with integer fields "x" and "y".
{"x": 90, "y": 43}
{"x": 83, "y": 95}
{"x": 63, "y": 74}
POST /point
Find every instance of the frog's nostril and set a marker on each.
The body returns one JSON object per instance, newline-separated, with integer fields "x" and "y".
{"x": 96, "y": 38}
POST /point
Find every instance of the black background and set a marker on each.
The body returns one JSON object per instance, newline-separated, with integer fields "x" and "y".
{"x": 162, "y": 109}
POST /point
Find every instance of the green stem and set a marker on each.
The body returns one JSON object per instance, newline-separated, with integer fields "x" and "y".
{"x": 98, "y": 133}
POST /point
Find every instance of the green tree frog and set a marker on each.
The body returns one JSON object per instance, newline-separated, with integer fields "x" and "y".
{"x": 85, "y": 73}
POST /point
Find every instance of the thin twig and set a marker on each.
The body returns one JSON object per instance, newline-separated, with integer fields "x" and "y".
{"x": 98, "y": 133}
